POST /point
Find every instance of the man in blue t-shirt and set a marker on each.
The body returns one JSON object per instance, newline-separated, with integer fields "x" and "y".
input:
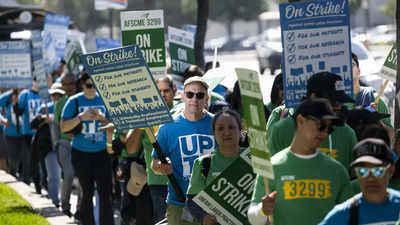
{"x": 90, "y": 159}
{"x": 28, "y": 107}
{"x": 185, "y": 139}
{"x": 374, "y": 165}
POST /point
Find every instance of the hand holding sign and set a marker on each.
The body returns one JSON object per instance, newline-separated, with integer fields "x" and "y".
{"x": 268, "y": 203}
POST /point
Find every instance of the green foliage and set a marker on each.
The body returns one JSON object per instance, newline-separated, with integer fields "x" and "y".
{"x": 15, "y": 210}
{"x": 389, "y": 8}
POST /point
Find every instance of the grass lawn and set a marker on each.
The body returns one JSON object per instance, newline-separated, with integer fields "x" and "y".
{"x": 14, "y": 210}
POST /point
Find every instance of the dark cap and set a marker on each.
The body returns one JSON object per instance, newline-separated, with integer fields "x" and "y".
{"x": 372, "y": 150}
{"x": 363, "y": 116}
{"x": 318, "y": 108}
{"x": 328, "y": 85}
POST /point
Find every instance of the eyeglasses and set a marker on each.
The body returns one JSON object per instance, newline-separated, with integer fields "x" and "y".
{"x": 378, "y": 172}
{"x": 322, "y": 126}
{"x": 199, "y": 95}
{"x": 89, "y": 85}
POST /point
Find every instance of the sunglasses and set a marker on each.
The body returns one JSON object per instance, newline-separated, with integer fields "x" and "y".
{"x": 89, "y": 85}
{"x": 377, "y": 172}
{"x": 199, "y": 95}
{"x": 322, "y": 126}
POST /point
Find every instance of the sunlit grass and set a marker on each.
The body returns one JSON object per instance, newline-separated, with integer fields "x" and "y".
{"x": 14, "y": 210}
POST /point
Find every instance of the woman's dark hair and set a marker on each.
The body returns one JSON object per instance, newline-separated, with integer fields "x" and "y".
{"x": 83, "y": 77}
{"x": 230, "y": 112}
{"x": 276, "y": 87}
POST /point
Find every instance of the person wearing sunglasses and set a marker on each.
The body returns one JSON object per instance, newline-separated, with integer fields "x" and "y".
{"x": 185, "y": 139}
{"x": 308, "y": 183}
{"x": 90, "y": 159}
{"x": 339, "y": 143}
{"x": 376, "y": 204}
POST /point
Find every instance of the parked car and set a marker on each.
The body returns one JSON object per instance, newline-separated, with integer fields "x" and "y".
{"x": 269, "y": 53}
{"x": 269, "y": 50}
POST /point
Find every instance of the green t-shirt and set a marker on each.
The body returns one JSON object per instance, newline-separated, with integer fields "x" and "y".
{"x": 152, "y": 178}
{"x": 393, "y": 184}
{"x": 343, "y": 140}
{"x": 124, "y": 153}
{"x": 219, "y": 163}
{"x": 307, "y": 189}
{"x": 275, "y": 116}
{"x": 58, "y": 107}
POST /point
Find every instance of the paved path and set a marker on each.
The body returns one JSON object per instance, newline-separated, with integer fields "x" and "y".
{"x": 43, "y": 205}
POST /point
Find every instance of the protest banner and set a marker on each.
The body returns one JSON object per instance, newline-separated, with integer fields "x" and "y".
{"x": 181, "y": 49}
{"x": 129, "y": 92}
{"x": 315, "y": 38}
{"x": 38, "y": 64}
{"x": 253, "y": 110}
{"x": 15, "y": 64}
{"x": 51, "y": 61}
{"x": 57, "y": 26}
{"x": 190, "y": 27}
{"x": 146, "y": 29}
{"x": 110, "y": 4}
{"x": 72, "y": 52}
{"x": 389, "y": 68}
{"x": 107, "y": 43}
{"x": 127, "y": 88}
{"x": 228, "y": 196}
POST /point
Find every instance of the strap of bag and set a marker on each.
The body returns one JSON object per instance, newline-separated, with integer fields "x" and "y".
{"x": 354, "y": 205}
{"x": 206, "y": 162}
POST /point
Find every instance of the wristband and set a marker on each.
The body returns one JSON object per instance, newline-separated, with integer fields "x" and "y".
{"x": 109, "y": 145}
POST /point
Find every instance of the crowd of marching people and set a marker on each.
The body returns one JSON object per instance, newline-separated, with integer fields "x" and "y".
{"x": 335, "y": 158}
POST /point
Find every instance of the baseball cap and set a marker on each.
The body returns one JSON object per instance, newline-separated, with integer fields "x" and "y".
{"x": 328, "y": 85}
{"x": 372, "y": 150}
{"x": 318, "y": 108}
{"x": 56, "y": 88}
{"x": 194, "y": 80}
{"x": 363, "y": 116}
{"x": 137, "y": 180}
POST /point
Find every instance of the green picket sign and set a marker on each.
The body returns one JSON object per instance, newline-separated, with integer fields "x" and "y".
{"x": 181, "y": 49}
{"x": 253, "y": 111}
{"x": 389, "y": 68}
{"x": 228, "y": 196}
{"x": 146, "y": 29}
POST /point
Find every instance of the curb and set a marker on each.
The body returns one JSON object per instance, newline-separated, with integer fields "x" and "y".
{"x": 39, "y": 203}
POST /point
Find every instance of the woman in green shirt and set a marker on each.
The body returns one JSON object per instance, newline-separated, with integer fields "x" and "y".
{"x": 226, "y": 127}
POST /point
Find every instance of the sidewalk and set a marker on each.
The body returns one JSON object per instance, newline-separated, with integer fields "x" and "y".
{"x": 39, "y": 203}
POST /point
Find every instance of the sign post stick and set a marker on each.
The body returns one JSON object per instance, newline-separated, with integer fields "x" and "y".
{"x": 162, "y": 158}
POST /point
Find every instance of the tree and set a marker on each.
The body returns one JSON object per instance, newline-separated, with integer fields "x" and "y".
{"x": 202, "y": 17}
{"x": 389, "y": 9}
{"x": 228, "y": 11}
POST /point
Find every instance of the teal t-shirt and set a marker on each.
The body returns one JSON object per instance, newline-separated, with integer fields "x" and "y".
{"x": 307, "y": 188}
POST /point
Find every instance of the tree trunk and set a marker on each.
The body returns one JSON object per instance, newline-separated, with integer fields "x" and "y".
{"x": 397, "y": 96}
{"x": 202, "y": 16}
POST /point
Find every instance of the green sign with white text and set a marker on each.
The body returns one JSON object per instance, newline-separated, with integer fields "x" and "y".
{"x": 253, "y": 110}
{"x": 228, "y": 196}
{"x": 146, "y": 29}
{"x": 389, "y": 68}
{"x": 181, "y": 49}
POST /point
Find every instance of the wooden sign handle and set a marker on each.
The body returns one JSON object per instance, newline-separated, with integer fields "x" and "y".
{"x": 270, "y": 218}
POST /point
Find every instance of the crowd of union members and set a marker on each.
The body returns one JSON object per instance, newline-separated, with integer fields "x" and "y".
{"x": 324, "y": 152}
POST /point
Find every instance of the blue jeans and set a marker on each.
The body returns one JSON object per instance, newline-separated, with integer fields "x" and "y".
{"x": 159, "y": 197}
{"x": 63, "y": 148}
{"x": 53, "y": 176}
